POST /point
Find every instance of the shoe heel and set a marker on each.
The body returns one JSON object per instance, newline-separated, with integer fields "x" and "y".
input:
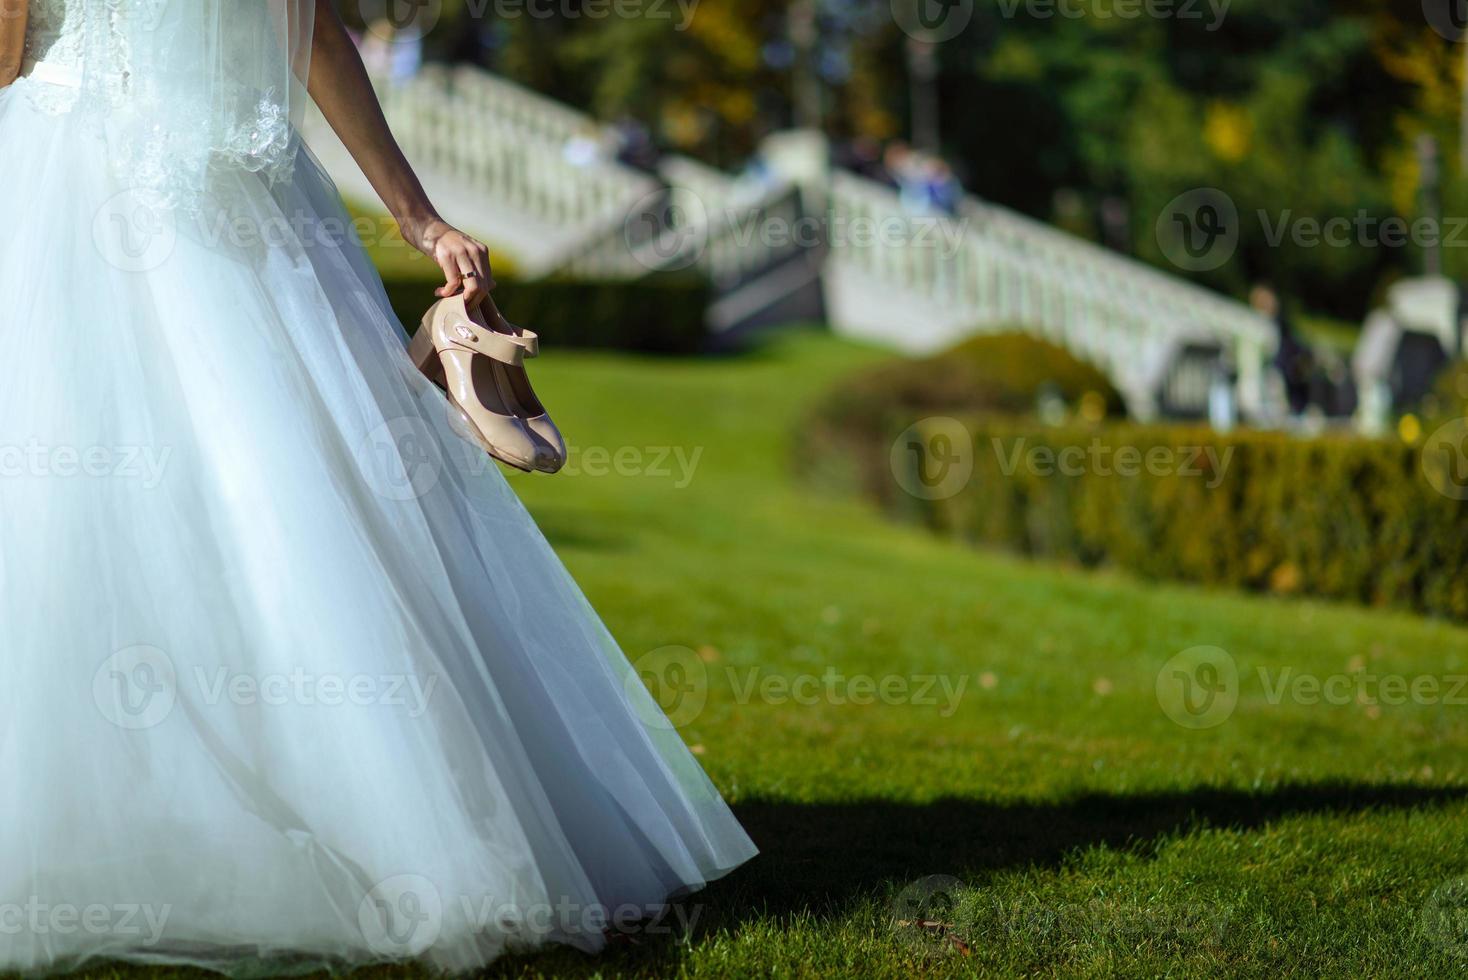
{"x": 425, "y": 356}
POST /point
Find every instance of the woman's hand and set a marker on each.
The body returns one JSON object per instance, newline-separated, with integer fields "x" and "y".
{"x": 464, "y": 260}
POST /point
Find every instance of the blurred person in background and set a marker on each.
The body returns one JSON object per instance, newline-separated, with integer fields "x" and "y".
{"x": 1292, "y": 358}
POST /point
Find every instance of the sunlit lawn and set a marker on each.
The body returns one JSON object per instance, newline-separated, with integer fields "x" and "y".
{"x": 1088, "y": 832}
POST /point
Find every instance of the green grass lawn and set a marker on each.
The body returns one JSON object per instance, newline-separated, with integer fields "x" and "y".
{"x": 1089, "y": 832}
{"x": 1081, "y": 831}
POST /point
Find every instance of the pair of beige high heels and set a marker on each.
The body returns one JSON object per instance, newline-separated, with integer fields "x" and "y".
{"x": 478, "y": 358}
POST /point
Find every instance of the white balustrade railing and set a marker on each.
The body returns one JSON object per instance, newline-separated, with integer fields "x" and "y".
{"x": 987, "y": 267}
{"x": 725, "y": 235}
{"x": 518, "y": 158}
{"x": 532, "y": 115}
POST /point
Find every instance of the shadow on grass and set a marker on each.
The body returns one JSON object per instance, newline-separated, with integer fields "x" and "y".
{"x": 820, "y": 860}
{"x": 815, "y": 858}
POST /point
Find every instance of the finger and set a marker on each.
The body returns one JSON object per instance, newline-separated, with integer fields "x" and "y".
{"x": 477, "y": 255}
{"x": 453, "y": 277}
{"x": 474, "y": 291}
{"x": 480, "y": 256}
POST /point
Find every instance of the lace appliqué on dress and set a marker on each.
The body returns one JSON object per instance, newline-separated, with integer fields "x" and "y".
{"x": 165, "y": 141}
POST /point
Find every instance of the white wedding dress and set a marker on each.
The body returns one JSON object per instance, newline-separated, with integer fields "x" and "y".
{"x": 290, "y": 677}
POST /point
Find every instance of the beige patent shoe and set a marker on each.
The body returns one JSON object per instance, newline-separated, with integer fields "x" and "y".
{"x": 467, "y": 359}
{"x": 514, "y": 383}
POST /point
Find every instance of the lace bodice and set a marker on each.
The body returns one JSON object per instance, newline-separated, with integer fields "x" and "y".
{"x": 178, "y": 90}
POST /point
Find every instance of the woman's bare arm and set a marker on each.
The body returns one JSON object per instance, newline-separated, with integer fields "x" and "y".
{"x": 340, "y": 87}
{"x": 12, "y": 38}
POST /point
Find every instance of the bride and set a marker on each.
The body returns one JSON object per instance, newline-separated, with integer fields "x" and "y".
{"x": 291, "y": 679}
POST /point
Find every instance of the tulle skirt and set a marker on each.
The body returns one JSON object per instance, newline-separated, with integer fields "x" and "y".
{"x": 290, "y": 675}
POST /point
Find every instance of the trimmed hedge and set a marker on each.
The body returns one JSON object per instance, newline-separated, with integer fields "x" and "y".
{"x": 1002, "y": 373}
{"x": 661, "y": 314}
{"x": 1336, "y": 517}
